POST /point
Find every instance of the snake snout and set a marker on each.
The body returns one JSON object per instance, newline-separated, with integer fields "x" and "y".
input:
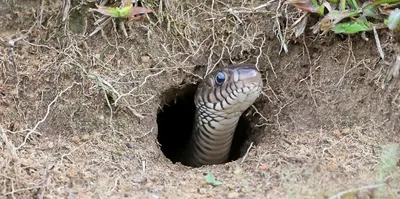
{"x": 249, "y": 74}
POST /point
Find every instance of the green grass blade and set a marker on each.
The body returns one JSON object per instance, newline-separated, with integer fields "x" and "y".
{"x": 393, "y": 21}
{"x": 350, "y": 27}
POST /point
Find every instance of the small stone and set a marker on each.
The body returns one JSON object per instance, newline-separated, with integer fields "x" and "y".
{"x": 14, "y": 92}
{"x": 337, "y": 133}
{"x": 233, "y": 195}
{"x": 264, "y": 166}
{"x": 238, "y": 170}
{"x": 346, "y": 131}
{"x": 50, "y": 145}
{"x": 85, "y": 137}
{"x": 72, "y": 174}
{"x": 155, "y": 196}
{"x": 140, "y": 179}
{"x": 145, "y": 59}
{"x": 201, "y": 191}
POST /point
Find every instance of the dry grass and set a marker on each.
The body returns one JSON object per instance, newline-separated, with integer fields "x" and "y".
{"x": 77, "y": 110}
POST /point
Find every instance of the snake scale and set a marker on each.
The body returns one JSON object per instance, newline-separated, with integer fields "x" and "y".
{"x": 220, "y": 100}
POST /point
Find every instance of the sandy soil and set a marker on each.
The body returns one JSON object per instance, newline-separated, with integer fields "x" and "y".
{"x": 78, "y": 112}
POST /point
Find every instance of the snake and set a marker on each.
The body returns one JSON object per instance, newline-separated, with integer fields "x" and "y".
{"x": 220, "y": 99}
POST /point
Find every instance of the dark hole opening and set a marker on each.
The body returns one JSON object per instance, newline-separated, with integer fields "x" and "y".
{"x": 175, "y": 122}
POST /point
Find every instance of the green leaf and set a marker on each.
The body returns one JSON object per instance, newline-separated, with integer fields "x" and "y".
{"x": 370, "y": 13}
{"x": 333, "y": 1}
{"x": 342, "y": 5}
{"x": 125, "y": 11}
{"x": 394, "y": 19}
{"x": 353, "y": 4}
{"x": 321, "y": 9}
{"x": 315, "y": 3}
{"x": 210, "y": 179}
{"x": 350, "y": 27}
{"x": 379, "y": 2}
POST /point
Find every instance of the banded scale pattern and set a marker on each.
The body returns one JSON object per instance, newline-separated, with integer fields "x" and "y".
{"x": 220, "y": 100}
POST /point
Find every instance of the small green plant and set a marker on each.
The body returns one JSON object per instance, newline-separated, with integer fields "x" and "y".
{"x": 210, "y": 179}
{"x": 122, "y": 10}
{"x": 350, "y": 16}
{"x": 387, "y": 170}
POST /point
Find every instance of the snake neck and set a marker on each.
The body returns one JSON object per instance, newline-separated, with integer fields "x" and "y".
{"x": 211, "y": 138}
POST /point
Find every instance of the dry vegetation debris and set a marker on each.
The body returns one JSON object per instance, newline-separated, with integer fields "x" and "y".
{"x": 78, "y": 103}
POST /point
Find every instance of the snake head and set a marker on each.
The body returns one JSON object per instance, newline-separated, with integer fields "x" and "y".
{"x": 230, "y": 90}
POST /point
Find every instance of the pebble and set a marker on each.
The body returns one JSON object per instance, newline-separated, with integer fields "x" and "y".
{"x": 50, "y": 145}
{"x": 238, "y": 170}
{"x": 85, "y": 137}
{"x": 201, "y": 191}
{"x": 346, "y": 131}
{"x": 233, "y": 195}
{"x": 145, "y": 59}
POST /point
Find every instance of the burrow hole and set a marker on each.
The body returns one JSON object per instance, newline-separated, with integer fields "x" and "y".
{"x": 175, "y": 122}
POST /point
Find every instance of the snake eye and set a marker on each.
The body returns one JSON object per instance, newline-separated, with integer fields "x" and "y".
{"x": 220, "y": 78}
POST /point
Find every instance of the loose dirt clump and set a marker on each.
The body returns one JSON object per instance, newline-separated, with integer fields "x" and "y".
{"x": 78, "y": 111}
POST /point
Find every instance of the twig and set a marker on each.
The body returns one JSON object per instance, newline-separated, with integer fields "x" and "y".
{"x": 378, "y": 43}
{"x": 334, "y": 144}
{"x": 346, "y": 72}
{"x": 41, "y": 14}
{"x": 22, "y": 189}
{"x": 209, "y": 61}
{"x": 339, "y": 195}
{"x": 66, "y": 6}
{"x": 261, "y": 52}
{"x": 248, "y": 10}
{"x": 106, "y": 86}
{"x": 44, "y": 182}
{"x": 220, "y": 57}
{"x": 271, "y": 65}
{"x": 262, "y": 117}
{"x": 279, "y": 112}
{"x": 247, "y": 153}
{"x": 135, "y": 88}
{"x": 279, "y": 34}
{"x": 144, "y": 167}
{"x": 65, "y": 155}
{"x": 12, "y": 46}
{"x": 145, "y": 134}
{"x": 8, "y": 143}
{"x": 100, "y": 27}
{"x": 115, "y": 184}
{"x": 345, "y": 65}
{"x": 393, "y": 73}
{"x": 33, "y": 130}
{"x": 122, "y": 26}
